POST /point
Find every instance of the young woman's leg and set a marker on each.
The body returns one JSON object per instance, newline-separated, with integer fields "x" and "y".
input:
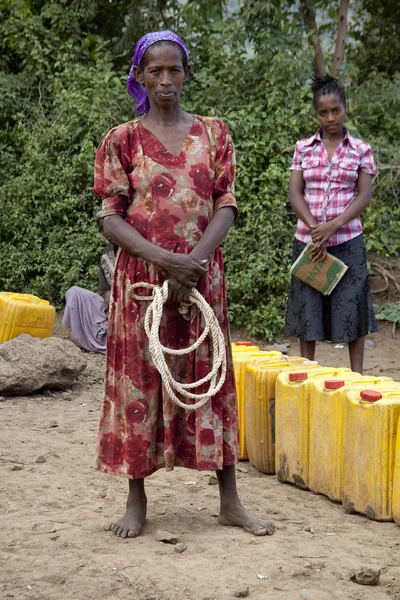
{"x": 307, "y": 349}
{"x": 356, "y": 353}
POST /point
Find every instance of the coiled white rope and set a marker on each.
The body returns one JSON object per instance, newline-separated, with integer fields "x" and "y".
{"x": 152, "y": 322}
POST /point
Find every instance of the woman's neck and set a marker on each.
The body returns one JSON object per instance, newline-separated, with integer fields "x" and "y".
{"x": 165, "y": 117}
{"x": 334, "y": 138}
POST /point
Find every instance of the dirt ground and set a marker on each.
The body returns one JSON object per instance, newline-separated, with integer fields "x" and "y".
{"x": 52, "y": 514}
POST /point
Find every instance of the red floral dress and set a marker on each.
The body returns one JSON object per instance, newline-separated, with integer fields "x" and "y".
{"x": 169, "y": 200}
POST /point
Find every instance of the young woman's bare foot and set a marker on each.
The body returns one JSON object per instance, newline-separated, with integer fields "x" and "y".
{"x": 130, "y": 525}
{"x": 232, "y": 511}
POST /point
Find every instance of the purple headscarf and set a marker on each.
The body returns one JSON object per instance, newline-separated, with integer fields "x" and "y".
{"x": 135, "y": 89}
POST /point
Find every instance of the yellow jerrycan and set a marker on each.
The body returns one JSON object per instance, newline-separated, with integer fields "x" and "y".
{"x": 292, "y": 421}
{"x": 260, "y": 381}
{"x": 396, "y": 479}
{"x": 327, "y": 409}
{"x": 25, "y": 313}
{"x": 238, "y": 347}
{"x": 369, "y": 446}
{"x": 240, "y": 360}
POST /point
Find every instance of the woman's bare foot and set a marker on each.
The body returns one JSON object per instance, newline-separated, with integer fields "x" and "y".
{"x": 236, "y": 515}
{"x": 232, "y": 511}
{"x": 130, "y": 525}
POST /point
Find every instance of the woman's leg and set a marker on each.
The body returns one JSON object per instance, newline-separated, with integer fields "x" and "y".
{"x": 307, "y": 349}
{"x": 356, "y": 353}
{"x": 232, "y": 511}
{"x": 130, "y": 525}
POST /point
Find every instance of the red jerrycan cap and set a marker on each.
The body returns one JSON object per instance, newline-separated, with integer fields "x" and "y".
{"x": 244, "y": 343}
{"x": 370, "y": 395}
{"x": 334, "y": 384}
{"x": 298, "y": 376}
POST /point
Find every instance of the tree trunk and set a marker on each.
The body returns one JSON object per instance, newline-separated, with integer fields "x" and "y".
{"x": 341, "y": 37}
{"x": 313, "y": 38}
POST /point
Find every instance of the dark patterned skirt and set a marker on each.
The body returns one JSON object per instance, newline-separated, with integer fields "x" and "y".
{"x": 346, "y": 314}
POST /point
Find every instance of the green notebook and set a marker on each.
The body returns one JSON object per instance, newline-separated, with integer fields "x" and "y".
{"x": 323, "y": 275}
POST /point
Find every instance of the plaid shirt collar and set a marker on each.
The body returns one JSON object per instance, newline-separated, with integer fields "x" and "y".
{"x": 316, "y": 138}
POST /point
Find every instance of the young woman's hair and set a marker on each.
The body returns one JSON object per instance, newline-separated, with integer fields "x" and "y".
{"x": 322, "y": 86}
{"x": 169, "y": 43}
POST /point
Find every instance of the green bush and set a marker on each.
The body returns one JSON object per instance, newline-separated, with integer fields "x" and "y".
{"x": 61, "y": 91}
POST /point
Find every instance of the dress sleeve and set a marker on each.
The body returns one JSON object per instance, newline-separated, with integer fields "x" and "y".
{"x": 296, "y": 161}
{"x": 111, "y": 182}
{"x": 225, "y": 171}
{"x": 367, "y": 163}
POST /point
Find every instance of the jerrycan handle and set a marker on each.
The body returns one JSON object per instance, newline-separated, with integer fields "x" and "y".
{"x": 306, "y": 362}
{"x": 324, "y": 371}
{"x": 21, "y": 298}
{"x": 355, "y": 381}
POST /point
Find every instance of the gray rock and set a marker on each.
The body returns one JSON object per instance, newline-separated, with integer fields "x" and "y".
{"x": 16, "y": 468}
{"x": 179, "y": 548}
{"x": 29, "y": 364}
{"x": 241, "y": 469}
{"x": 41, "y": 459}
{"x": 369, "y": 344}
{"x": 166, "y": 537}
{"x": 242, "y": 592}
{"x": 212, "y": 480}
{"x": 366, "y": 576}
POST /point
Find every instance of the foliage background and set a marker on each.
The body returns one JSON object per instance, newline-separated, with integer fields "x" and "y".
{"x": 63, "y": 70}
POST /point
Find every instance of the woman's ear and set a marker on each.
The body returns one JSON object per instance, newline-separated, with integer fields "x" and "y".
{"x": 187, "y": 72}
{"x": 139, "y": 75}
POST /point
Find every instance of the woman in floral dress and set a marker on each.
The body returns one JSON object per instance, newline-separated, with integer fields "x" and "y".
{"x": 167, "y": 186}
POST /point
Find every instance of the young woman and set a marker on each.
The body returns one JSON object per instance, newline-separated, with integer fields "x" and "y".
{"x": 167, "y": 185}
{"x": 330, "y": 186}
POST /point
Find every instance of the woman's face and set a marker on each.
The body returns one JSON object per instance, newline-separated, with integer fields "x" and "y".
{"x": 331, "y": 113}
{"x": 163, "y": 74}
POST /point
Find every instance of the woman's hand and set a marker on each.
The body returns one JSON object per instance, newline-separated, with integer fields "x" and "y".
{"x": 318, "y": 253}
{"x": 177, "y": 292}
{"x": 185, "y": 268}
{"x": 322, "y": 232}
{"x": 107, "y": 300}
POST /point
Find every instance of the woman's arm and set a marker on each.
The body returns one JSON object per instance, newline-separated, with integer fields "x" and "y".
{"x": 184, "y": 267}
{"x": 300, "y": 207}
{"x": 364, "y": 194}
{"x": 296, "y": 199}
{"x": 212, "y": 237}
{"x": 214, "y": 234}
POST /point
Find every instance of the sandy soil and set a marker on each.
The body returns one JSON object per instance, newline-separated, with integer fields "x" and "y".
{"x": 53, "y": 546}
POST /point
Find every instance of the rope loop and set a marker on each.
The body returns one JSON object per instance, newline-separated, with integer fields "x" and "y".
{"x": 216, "y": 377}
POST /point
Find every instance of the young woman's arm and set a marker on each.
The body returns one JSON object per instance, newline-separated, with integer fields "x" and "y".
{"x": 300, "y": 207}
{"x": 324, "y": 231}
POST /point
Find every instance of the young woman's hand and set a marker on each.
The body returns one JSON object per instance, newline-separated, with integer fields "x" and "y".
{"x": 177, "y": 292}
{"x": 322, "y": 232}
{"x": 185, "y": 268}
{"x": 318, "y": 253}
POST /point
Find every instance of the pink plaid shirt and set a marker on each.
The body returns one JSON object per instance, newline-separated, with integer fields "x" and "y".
{"x": 330, "y": 186}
